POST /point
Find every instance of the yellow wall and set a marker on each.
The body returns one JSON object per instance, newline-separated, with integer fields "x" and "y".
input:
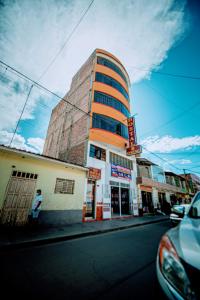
{"x": 48, "y": 172}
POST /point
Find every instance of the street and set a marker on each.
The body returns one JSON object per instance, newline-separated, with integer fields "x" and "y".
{"x": 117, "y": 265}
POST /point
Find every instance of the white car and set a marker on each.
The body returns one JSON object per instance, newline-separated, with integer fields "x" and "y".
{"x": 178, "y": 212}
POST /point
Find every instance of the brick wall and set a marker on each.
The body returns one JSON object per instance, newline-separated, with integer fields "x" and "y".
{"x": 68, "y": 129}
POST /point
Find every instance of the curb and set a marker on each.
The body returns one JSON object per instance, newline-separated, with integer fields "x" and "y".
{"x": 45, "y": 241}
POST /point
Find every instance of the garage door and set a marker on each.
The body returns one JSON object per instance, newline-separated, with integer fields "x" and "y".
{"x": 18, "y": 198}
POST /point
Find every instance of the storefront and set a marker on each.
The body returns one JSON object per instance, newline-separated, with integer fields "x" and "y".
{"x": 120, "y": 191}
{"x": 120, "y": 202}
{"x": 93, "y": 176}
{"x": 147, "y": 199}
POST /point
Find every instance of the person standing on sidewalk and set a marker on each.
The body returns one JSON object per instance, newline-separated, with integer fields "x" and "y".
{"x": 36, "y": 206}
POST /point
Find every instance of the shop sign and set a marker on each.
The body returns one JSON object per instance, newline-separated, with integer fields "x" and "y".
{"x": 131, "y": 131}
{"x": 120, "y": 172}
{"x": 133, "y": 147}
{"x": 94, "y": 174}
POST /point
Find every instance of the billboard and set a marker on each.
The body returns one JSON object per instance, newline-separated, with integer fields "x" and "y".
{"x": 120, "y": 172}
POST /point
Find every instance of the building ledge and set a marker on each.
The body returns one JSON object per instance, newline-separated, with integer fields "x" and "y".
{"x": 160, "y": 186}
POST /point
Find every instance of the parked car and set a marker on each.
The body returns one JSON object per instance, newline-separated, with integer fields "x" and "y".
{"x": 178, "y": 212}
{"x": 178, "y": 258}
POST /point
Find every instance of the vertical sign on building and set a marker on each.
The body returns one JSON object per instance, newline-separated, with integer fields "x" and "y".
{"x": 133, "y": 147}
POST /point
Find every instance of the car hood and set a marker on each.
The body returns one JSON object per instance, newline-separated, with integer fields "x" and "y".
{"x": 186, "y": 239}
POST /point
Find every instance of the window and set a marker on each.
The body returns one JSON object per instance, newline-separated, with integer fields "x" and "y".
{"x": 158, "y": 174}
{"x": 64, "y": 186}
{"x": 121, "y": 161}
{"x": 97, "y": 152}
{"x": 112, "y": 82}
{"x": 24, "y": 175}
{"x": 107, "y": 63}
{"x": 109, "y": 124}
{"x": 177, "y": 181}
{"x": 111, "y": 101}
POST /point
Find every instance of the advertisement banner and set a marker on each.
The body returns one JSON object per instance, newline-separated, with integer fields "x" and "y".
{"x": 94, "y": 174}
{"x": 120, "y": 172}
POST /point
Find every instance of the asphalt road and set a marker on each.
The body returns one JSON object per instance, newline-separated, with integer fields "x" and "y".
{"x": 116, "y": 265}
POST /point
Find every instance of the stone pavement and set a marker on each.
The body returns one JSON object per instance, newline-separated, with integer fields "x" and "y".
{"x": 38, "y": 235}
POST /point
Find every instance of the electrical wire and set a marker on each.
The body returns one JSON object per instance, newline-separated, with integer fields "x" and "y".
{"x": 168, "y": 74}
{"x": 61, "y": 98}
{"x": 21, "y": 115}
{"x": 67, "y": 40}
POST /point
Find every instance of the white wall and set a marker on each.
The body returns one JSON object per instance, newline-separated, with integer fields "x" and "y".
{"x": 103, "y": 192}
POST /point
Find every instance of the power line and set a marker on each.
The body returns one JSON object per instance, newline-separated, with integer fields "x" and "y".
{"x": 169, "y": 74}
{"x": 74, "y": 106}
{"x": 161, "y": 158}
{"x": 44, "y": 88}
{"x": 193, "y": 171}
{"x": 177, "y": 153}
{"x": 173, "y": 119}
{"x": 21, "y": 115}
{"x": 67, "y": 40}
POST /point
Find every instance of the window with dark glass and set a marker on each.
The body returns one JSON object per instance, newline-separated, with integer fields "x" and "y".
{"x": 107, "y": 63}
{"x": 112, "y": 82}
{"x": 109, "y": 124}
{"x": 97, "y": 152}
{"x": 121, "y": 161}
{"x": 111, "y": 101}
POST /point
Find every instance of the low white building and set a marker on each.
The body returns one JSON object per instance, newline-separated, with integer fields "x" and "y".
{"x": 111, "y": 186}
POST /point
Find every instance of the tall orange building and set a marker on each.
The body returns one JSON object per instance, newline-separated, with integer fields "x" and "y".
{"x": 89, "y": 127}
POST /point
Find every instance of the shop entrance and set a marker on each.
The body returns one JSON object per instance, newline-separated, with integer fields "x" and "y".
{"x": 119, "y": 201}
{"x": 90, "y": 200}
{"x": 147, "y": 202}
{"x": 164, "y": 205}
{"x": 115, "y": 205}
{"x": 125, "y": 201}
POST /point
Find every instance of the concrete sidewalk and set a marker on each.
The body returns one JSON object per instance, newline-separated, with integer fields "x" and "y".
{"x": 25, "y": 237}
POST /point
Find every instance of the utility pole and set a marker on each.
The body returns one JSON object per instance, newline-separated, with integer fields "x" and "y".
{"x": 186, "y": 182}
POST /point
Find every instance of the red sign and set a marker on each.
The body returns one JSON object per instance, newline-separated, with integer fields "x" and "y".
{"x": 131, "y": 131}
{"x": 94, "y": 174}
{"x": 133, "y": 147}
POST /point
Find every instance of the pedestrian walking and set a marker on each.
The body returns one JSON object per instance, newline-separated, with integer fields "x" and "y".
{"x": 36, "y": 206}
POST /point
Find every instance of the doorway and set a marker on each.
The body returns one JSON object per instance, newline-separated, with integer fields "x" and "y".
{"x": 90, "y": 199}
{"x": 147, "y": 202}
{"x": 124, "y": 201}
{"x": 115, "y": 201}
{"x": 120, "y": 201}
{"x": 18, "y": 198}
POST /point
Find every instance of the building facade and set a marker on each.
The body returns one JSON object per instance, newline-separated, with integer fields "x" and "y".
{"x": 62, "y": 185}
{"x": 158, "y": 189}
{"x": 96, "y": 136}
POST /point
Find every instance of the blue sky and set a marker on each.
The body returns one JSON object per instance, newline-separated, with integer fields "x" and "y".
{"x": 169, "y": 105}
{"x": 148, "y": 37}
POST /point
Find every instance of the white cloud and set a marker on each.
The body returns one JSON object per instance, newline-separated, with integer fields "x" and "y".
{"x": 180, "y": 161}
{"x": 37, "y": 143}
{"x": 33, "y": 144}
{"x": 168, "y": 143}
{"x": 140, "y": 33}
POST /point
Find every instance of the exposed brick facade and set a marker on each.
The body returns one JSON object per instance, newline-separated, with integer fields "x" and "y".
{"x": 68, "y": 129}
